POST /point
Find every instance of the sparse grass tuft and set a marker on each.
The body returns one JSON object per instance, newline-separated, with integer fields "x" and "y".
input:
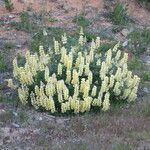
{"x": 146, "y": 76}
{"x": 81, "y": 21}
{"x": 119, "y": 14}
{"x": 23, "y": 117}
{"x": 145, "y": 3}
{"x": 9, "y": 5}
{"x": 25, "y": 23}
{"x": 121, "y": 147}
{"x": 3, "y": 66}
{"x": 139, "y": 41}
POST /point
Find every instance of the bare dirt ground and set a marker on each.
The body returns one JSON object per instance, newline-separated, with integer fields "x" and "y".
{"x": 122, "y": 128}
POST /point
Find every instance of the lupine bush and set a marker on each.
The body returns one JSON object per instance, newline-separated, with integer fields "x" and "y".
{"x": 74, "y": 79}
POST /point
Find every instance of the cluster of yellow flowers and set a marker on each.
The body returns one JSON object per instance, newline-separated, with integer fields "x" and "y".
{"x": 75, "y": 86}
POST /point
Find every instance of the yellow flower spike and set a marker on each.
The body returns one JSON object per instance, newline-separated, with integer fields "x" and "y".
{"x": 97, "y": 42}
{"x": 118, "y": 55}
{"x": 88, "y": 59}
{"x": 87, "y": 69}
{"x": 82, "y": 85}
{"x": 116, "y": 47}
{"x": 91, "y": 55}
{"x": 37, "y": 91}
{"x": 46, "y": 74}
{"x": 94, "y": 91}
{"x": 56, "y": 47}
{"x": 85, "y": 40}
{"x": 81, "y": 31}
{"x": 103, "y": 70}
{"x": 77, "y": 62}
{"x": 90, "y": 77}
{"x": 64, "y": 38}
{"x": 27, "y": 56}
{"x": 75, "y": 77}
{"x": 98, "y": 63}
{"x": 116, "y": 89}
{"x": 124, "y": 70}
{"x": 86, "y": 89}
{"x": 76, "y": 89}
{"x": 65, "y": 92}
{"x": 136, "y": 81}
{"x": 53, "y": 109}
{"x": 77, "y": 107}
{"x": 59, "y": 69}
{"x": 33, "y": 100}
{"x": 81, "y": 40}
{"x": 23, "y": 94}
{"x": 93, "y": 45}
{"x": 118, "y": 75}
{"x": 112, "y": 80}
{"x": 60, "y": 97}
{"x": 106, "y": 103}
{"x": 15, "y": 68}
{"x": 126, "y": 93}
{"x": 63, "y": 54}
{"x": 108, "y": 57}
{"x": 72, "y": 102}
{"x": 68, "y": 76}
{"x": 81, "y": 68}
{"x": 11, "y": 84}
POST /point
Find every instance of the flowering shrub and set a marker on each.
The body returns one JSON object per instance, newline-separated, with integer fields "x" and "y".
{"x": 74, "y": 79}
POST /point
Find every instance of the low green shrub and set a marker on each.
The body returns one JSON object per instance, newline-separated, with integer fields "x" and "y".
{"x": 119, "y": 14}
{"x": 146, "y": 76}
{"x": 74, "y": 79}
{"x": 9, "y": 5}
{"x": 3, "y": 65}
{"x": 81, "y": 21}
{"x": 139, "y": 41}
{"x": 25, "y": 23}
{"x": 145, "y": 3}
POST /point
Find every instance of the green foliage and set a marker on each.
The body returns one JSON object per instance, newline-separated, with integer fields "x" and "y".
{"x": 74, "y": 79}
{"x": 135, "y": 64}
{"x": 81, "y": 21}
{"x": 9, "y": 5}
{"x": 40, "y": 39}
{"x": 121, "y": 147}
{"x": 8, "y": 45}
{"x": 25, "y": 23}
{"x": 146, "y": 76}
{"x": 53, "y": 20}
{"x": 23, "y": 117}
{"x": 145, "y": 3}
{"x": 3, "y": 66}
{"x": 119, "y": 14}
{"x": 106, "y": 46}
{"x": 139, "y": 41}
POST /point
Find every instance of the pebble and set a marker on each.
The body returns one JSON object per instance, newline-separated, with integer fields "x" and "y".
{"x": 125, "y": 32}
{"x": 145, "y": 90}
{"x": 15, "y": 125}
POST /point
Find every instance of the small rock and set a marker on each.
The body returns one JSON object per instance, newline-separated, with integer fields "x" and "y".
{"x": 145, "y": 90}
{"x": 147, "y": 59}
{"x": 125, "y": 32}
{"x": 124, "y": 44}
{"x": 62, "y": 121}
{"x": 40, "y": 118}
{"x": 15, "y": 114}
{"x": 11, "y": 16}
{"x": 2, "y": 106}
{"x": 15, "y": 125}
{"x": 6, "y": 140}
{"x": 18, "y": 46}
{"x": 2, "y": 111}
